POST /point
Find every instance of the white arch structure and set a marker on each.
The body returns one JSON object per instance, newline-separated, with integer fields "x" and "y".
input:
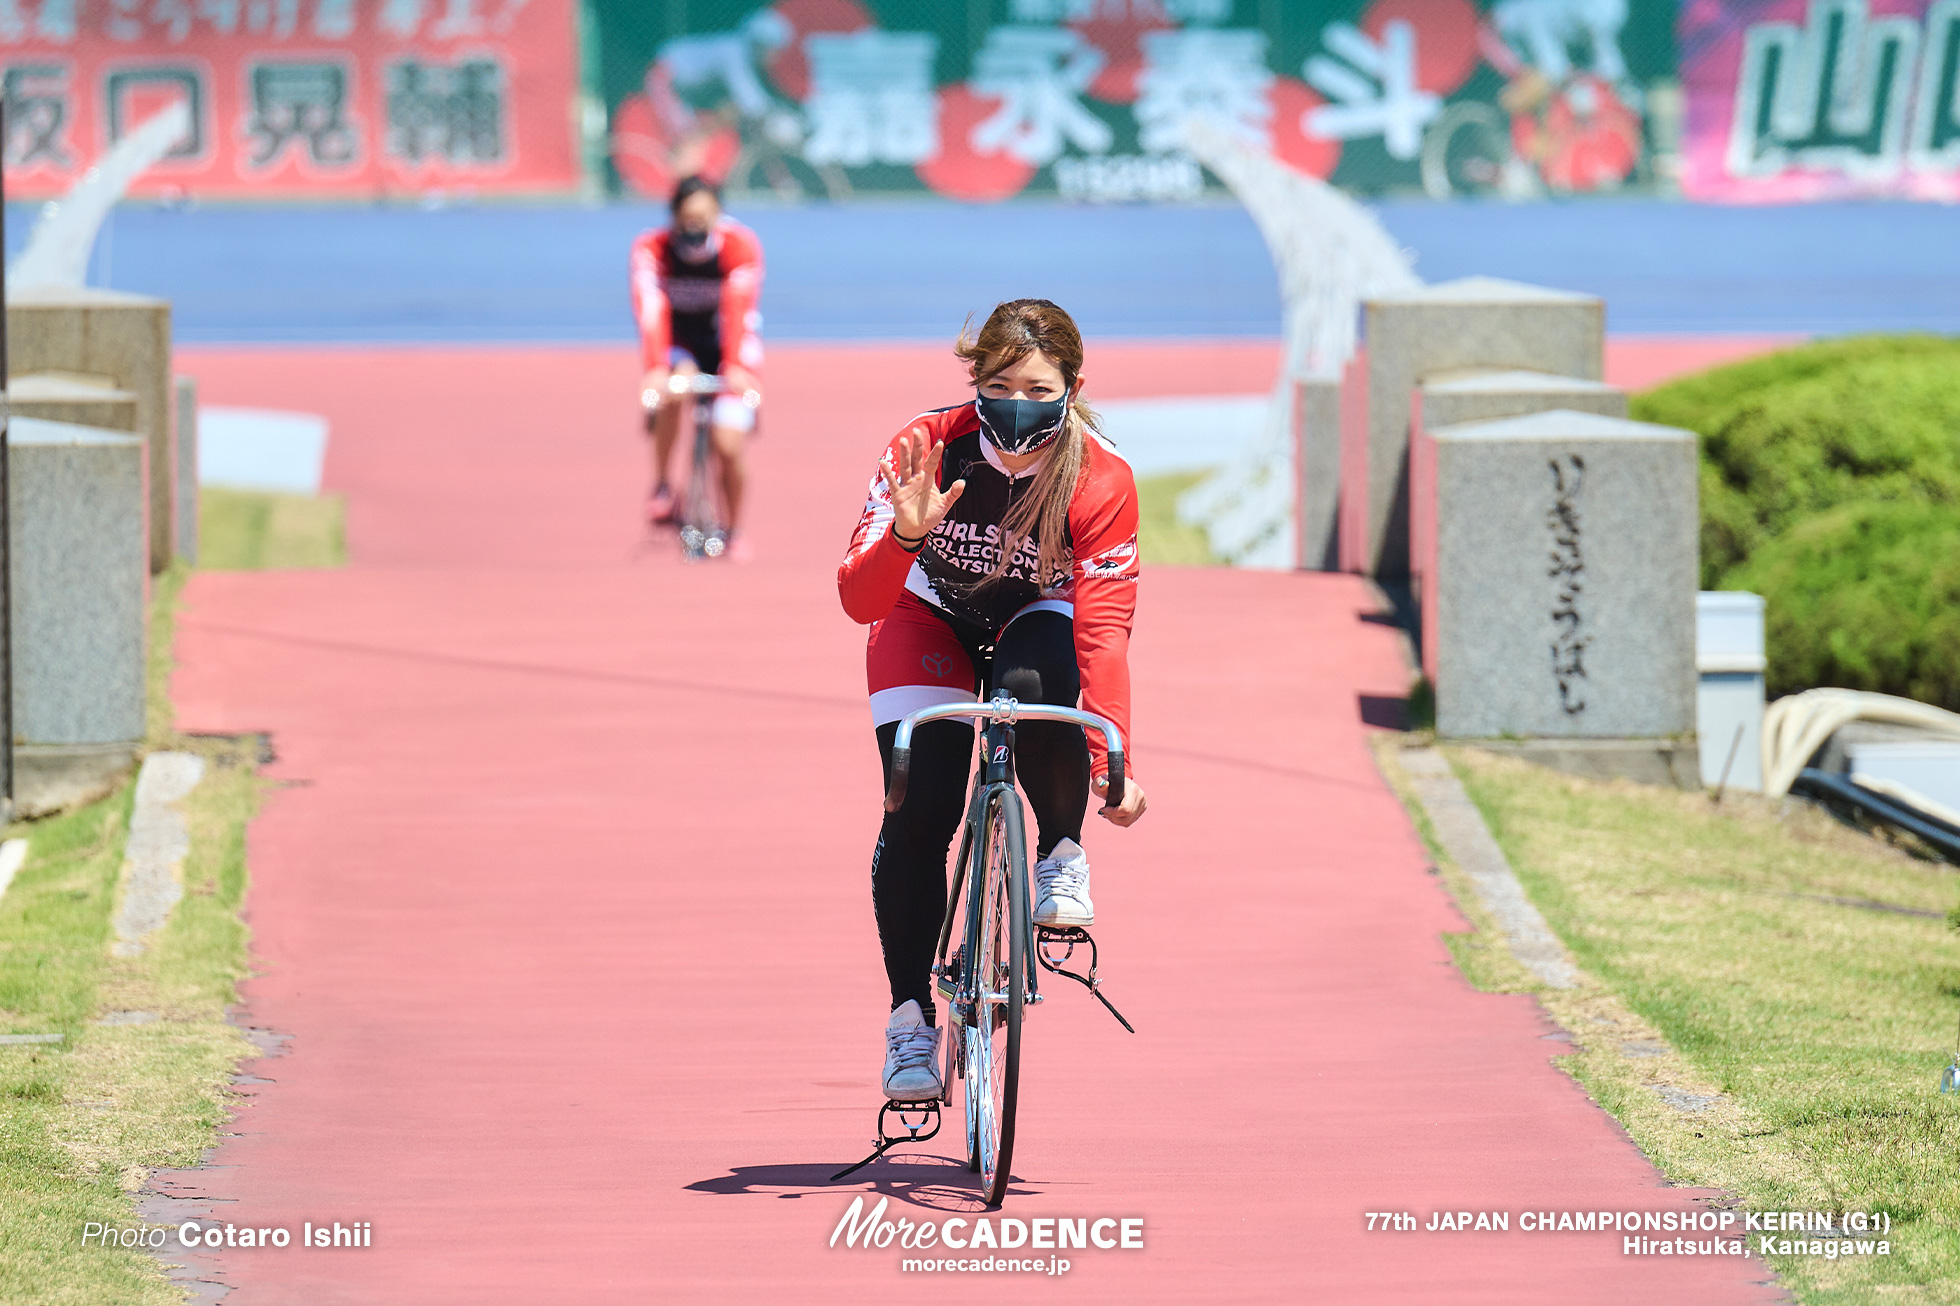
{"x": 58, "y": 251}
{"x": 1330, "y": 253}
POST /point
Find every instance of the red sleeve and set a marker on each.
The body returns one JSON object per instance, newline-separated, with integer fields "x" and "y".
{"x": 650, "y": 299}
{"x": 1103, "y": 526}
{"x": 741, "y": 292}
{"x": 873, "y": 572}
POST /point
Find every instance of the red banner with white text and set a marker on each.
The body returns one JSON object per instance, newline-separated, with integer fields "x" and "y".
{"x": 296, "y": 97}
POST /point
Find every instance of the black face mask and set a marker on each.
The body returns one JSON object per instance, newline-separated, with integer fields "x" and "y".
{"x": 690, "y": 244}
{"x": 1021, "y": 425}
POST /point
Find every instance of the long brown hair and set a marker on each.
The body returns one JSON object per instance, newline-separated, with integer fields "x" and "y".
{"x": 1013, "y": 331}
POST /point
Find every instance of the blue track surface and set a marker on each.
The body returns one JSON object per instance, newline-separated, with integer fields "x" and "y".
{"x": 897, "y": 270}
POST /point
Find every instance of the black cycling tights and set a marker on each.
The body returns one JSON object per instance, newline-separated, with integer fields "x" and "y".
{"x": 1035, "y": 662}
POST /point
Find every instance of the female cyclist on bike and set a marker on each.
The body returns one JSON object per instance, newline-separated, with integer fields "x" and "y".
{"x": 695, "y": 285}
{"x": 1006, "y": 521}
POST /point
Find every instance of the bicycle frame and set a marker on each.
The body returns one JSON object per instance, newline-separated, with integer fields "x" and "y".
{"x": 992, "y": 978}
{"x": 995, "y": 774}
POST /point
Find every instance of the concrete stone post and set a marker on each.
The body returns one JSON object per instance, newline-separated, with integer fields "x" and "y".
{"x": 64, "y": 397}
{"x": 1564, "y": 579}
{"x": 75, "y": 504}
{"x": 186, "y": 472}
{"x": 1476, "y": 322}
{"x": 1451, "y": 398}
{"x": 1317, "y": 418}
{"x": 117, "y": 339}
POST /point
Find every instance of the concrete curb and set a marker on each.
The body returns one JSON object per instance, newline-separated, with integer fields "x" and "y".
{"x": 158, "y": 842}
{"x": 1460, "y": 827}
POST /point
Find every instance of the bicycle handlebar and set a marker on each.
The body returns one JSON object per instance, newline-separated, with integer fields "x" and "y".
{"x": 696, "y": 383}
{"x": 1002, "y": 709}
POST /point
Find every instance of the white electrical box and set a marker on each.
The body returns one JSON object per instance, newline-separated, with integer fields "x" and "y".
{"x": 1729, "y": 697}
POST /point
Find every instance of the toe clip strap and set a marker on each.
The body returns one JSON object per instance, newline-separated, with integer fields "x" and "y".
{"x": 1070, "y": 935}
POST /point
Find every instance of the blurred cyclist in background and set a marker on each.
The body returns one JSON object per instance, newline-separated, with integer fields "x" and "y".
{"x": 696, "y": 284}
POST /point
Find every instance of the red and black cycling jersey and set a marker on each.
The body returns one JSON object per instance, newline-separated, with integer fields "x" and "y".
{"x": 708, "y": 307}
{"x": 1097, "y": 585}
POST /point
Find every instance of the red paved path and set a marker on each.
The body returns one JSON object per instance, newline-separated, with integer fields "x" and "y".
{"x": 567, "y": 911}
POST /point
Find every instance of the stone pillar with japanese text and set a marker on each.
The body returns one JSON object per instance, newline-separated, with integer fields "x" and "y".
{"x": 1565, "y": 572}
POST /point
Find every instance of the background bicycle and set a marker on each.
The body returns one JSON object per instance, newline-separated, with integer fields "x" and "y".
{"x": 702, "y": 519}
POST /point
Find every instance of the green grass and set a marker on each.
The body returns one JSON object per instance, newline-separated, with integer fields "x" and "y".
{"x": 83, "y": 1122}
{"x": 1824, "y": 1027}
{"x": 252, "y": 530}
{"x": 1161, "y": 538}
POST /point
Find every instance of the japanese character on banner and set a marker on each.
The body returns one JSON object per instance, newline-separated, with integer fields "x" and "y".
{"x": 453, "y": 113}
{"x": 1373, "y": 88}
{"x": 1199, "y": 11}
{"x": 303, "y": 104}
{"x": 1051, "y": 11}
{"x": 175, "y": 17}
{"x": 401, "y": 17}
{"x": 56, "y": 21}
{"x": 125, "y": 20}
{"x": 1216, "y": 74}
{"x": 333, "y": 20}
{"x": 459, "y": 18}
{"x": 1039, "y": 75}
{"x": 133, "y": 95}
{"x": 36, "y": 112}
{"x": 871, "y": 97}
{"x": 1079, "y": 11}
{"x": 280, "y": 17}
{"x": 1550, "y": 30}
{"x": 222, "y": 15}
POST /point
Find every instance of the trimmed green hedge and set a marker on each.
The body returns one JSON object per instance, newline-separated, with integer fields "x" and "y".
{"x": 1866, "y": 596}
{"x": 1830, "y": 484}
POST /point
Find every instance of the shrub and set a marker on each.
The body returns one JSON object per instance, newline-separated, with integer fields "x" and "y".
{"x": 1865, "y": 596}
{"x": 1803, "y": 431}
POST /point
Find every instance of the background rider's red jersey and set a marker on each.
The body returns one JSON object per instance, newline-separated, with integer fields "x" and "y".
{"x": 1099, "y": 550}
{"x": 708, "y": 308}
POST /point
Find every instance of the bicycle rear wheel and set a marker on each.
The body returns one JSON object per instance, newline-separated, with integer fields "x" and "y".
{"x": 998, "y": 948}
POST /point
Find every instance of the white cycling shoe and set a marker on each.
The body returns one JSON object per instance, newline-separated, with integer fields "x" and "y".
{"x": 911, "y": 1056}
{"x": 1061, "y": 888}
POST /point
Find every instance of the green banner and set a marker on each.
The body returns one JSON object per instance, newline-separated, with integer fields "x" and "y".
{"x": 988, "y": 99}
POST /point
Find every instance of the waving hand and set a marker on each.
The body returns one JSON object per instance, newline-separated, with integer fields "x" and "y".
{"x": 918, "y": 504}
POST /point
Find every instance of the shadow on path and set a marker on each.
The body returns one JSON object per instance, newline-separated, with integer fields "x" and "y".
{"x": 942, "y": 1183}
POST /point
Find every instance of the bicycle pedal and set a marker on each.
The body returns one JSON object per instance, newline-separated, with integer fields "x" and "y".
{"x": 1070, "y": 935}
{"x": 927, "y": 1109}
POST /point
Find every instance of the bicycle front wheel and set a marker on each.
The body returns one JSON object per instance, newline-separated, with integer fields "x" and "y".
{"x": 700, "y": 528}
{"x": 999, "y": 941}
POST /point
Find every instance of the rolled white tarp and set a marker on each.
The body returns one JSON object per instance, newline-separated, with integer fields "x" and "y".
{"x": 1796, "y": 726}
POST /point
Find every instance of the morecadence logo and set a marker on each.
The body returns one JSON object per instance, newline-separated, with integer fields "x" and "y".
{"x": 870, "y": 1229}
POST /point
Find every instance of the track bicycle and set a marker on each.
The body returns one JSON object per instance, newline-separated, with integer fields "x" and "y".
{"x": 702, "y": 529}
{"x": 987, "y": 937}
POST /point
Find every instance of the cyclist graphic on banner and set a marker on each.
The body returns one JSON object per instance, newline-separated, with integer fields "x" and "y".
{"x": 1091, "y": 99}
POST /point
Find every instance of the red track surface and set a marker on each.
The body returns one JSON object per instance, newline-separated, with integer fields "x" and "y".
{"x": 567, "y": 909}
